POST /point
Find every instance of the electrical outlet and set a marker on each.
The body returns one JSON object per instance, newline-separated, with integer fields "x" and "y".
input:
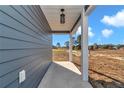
{"x": 22, "y": 76}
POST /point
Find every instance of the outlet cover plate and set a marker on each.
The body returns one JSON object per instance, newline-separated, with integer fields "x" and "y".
{"x": 22, "y": 76}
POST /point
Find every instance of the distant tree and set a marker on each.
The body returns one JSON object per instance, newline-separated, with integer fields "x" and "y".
{"x": 105, "y": 46}
{"x": 78, "y": 47}
{"x": 95, "y": 46}
{"x": 110, "y": 46}
{"x": 90, "y": 47}
{"x": 54, "y": 47}
{"x": 118, "y": 46}
{"x": 78, "y": 43}
{"x": 74, "y": 41}
{"x": 79, "y": 40}
{"x": 66, "y": 44}
{"x": 73, "y": 47}
{"x": 58, "y": 45}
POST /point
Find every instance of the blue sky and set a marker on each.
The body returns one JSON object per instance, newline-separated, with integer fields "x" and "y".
{"x": 106, "y": 26}
{"x": 60, "y": 38}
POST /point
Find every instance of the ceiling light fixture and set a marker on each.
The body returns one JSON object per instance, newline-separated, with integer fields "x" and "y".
{"x": 62, "y": 17}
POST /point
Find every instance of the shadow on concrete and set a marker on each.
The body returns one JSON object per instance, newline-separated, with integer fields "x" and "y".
{"x": 63, "y": 75}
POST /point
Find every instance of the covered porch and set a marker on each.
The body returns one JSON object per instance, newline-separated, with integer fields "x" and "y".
{"x": 66, "y": 74}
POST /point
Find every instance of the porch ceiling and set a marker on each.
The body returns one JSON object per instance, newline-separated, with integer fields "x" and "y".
{"x": 52, "y": 14}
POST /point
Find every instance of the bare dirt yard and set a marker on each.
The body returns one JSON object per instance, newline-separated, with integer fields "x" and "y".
{"x": 106, "y": 67}
{"x": 60, "y": 55}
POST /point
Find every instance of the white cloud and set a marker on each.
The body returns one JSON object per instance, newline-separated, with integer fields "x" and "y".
{"x": 79, "y": 31}
{"x": 107, "y": 33}
{"x": 116, "y": 20}
{"x": 90, "y": 33}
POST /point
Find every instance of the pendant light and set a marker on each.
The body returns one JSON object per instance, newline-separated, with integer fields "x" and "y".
{"x": 62, "y": 17}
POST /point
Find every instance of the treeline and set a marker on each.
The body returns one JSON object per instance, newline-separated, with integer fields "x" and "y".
{"x": 77, "y": 45}
{"x": 105, "y": 46}
{"x": 95, "y": 47}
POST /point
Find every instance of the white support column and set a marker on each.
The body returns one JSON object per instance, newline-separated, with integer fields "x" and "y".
{"x": 70, "y": 48}
{"x": 84, "y": 46}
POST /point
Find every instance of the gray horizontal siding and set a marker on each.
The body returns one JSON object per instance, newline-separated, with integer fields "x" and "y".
{"x": 25, "y": 44}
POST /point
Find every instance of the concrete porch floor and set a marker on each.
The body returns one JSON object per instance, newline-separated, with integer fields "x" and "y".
{"x": 63, "y": 75}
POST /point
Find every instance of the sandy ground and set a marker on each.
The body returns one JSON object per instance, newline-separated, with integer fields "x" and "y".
{"x": 106, "y": 67}
{"x": 60, "y": 55}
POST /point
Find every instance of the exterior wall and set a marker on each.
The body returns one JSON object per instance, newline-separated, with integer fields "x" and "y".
{"x": 25, "y": 44}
